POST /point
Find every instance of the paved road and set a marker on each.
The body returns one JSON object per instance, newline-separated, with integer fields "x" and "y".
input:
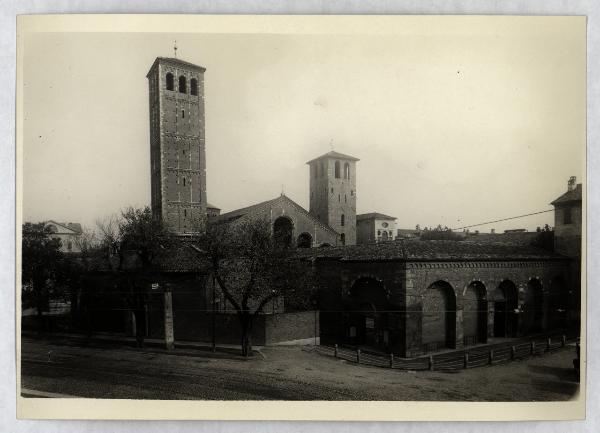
{"x": 61, "y": 366}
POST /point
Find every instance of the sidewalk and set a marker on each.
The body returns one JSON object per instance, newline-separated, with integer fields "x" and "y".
{"x": 181, "y": 347}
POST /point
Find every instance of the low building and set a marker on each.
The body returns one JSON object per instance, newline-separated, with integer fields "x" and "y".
{"x": 414, "y": 297}
{"x": 212, "y": 212}
{"x": 568, "y": 220}
{"x": 375, "y": 227}
{"x": 67, "y": 233}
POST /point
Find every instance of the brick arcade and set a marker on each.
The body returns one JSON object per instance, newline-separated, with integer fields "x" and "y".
{"x": 415, "y": 297}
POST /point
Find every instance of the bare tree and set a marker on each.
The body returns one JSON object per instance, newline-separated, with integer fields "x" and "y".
{"x": 252, "y": 269}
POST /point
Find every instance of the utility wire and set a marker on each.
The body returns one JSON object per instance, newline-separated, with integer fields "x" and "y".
{"x": 503, "y": 219}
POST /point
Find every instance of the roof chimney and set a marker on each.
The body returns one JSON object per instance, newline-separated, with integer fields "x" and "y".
{"x": 572, "y": 183}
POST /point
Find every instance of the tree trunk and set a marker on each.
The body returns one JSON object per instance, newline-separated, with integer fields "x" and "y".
{"x": 246, "y": 320}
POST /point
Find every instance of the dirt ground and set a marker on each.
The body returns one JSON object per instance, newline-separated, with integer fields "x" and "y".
{"x": 280, "y": 373}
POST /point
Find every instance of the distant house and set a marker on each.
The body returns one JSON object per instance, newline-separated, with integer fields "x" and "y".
{"x": 212, "y": 212}
{"x": 375, "y": 227}
{"x": 567, "y": 220}
{"x": 67, "y": 233}
{"x": 408, "y": 233}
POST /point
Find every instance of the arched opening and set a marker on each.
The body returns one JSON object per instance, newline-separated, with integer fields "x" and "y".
{"x": 475, "y": 314}
{"x": 439, "y": 317}
{"x": 368, "y": 302}
{"x": 304, "y": 240}
{"x": 343, "y": 238}
{"x": 346, "y": 171}
{"x": 506, "y": 305}
{"x": 558, "y": 303}
{"x": 337, "y": 169}
{"x": 384, "y": 236}
{"x": 342, "y": 220}
{"x": 170, "y": 83}
{"x": 182, "y": 85}
{"x": 533, "y": 307}
{"x": 194, "y": 87}
{"x": 283, "y": 232}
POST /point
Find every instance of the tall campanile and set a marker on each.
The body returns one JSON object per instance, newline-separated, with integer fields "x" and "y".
{"x": 333, "y": 193}
{"x": 177, "y": 144}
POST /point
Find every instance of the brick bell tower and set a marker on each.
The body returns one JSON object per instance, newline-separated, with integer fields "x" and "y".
{"x": 333, "y": 193}
{"x": 177, "y": 144}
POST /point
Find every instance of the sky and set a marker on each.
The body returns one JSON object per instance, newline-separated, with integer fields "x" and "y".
{"x": 452, "y": 129}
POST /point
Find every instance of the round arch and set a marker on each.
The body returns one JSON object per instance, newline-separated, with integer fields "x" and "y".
{"x": 533, "y": 307}
{"x": 506, "y": 305}
{"x": 439, "y": 317}
{"x": 368, "y": 304}
{"x": 304, "y": 240}
{"x": 283, "y": 231}
{"x": 475, "y": 313}
{"x": 558, "y": 303}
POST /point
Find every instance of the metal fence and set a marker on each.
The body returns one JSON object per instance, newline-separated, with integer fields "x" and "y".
{"x": 455, "y": 360}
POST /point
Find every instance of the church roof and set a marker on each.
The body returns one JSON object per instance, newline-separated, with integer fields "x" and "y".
{"x": 256, "y": 208}
{"x": 210, "y": 206}
{"x": 174, "y": 61}
{"x": 569, "y": 196}
{"x": 374, "y": 215}
{"x": 334, "y": 155}
{"x": 418, "y": 250}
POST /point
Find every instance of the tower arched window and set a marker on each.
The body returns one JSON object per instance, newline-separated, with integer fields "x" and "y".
{"x": 184, "y": 181}
{"x": 170, "y": 85}
{"x": 337, "y": 169}
{"x": 343, "y": 220}
{"x": 194, "y": 87}
{"x": 346, "y": 171}
{"x": 182, "y": 85}
{"x": 343, "y": 238}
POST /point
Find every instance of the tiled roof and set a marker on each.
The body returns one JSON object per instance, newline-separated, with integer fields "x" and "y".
{"x": 569, "y": 196}
{"x": 239, "y": 213}
{"x": 416, "y": 250}
{"x": 374, "y": 215}
{"x": 335, "y": 155}
{"x": 184, "y": 257}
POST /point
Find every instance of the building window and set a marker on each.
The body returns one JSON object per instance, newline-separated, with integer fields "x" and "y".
{"x": 352, "y": 192}
{"x": 69, "y": 245}
{"x": 345, "y": 198}
{"x": 184, "y": 181}
{"x": 342, "y": 220}
{"x": 346, "y": 171}
{"x": 339, "y": 198}
{"x": 194, "y": 87}
{"x": 183, "y": 114}
{"x": 337, "y": 169}
{"x": 567, "y": 217}
{"x": 182, "y": 85}
{"x": 170, "y": 85}
{"x": 343, "y": 238}
{"x": 185, "y": 213}
{"x": 332, "y": 190}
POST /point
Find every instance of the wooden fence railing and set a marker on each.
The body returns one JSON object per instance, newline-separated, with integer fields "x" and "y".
{"x": 456, "y": 360}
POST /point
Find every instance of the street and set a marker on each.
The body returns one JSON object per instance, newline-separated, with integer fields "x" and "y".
{"x": 62, "y": 367}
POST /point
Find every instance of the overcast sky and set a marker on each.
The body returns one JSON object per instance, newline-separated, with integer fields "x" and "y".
{"x": 449, "y": 129}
